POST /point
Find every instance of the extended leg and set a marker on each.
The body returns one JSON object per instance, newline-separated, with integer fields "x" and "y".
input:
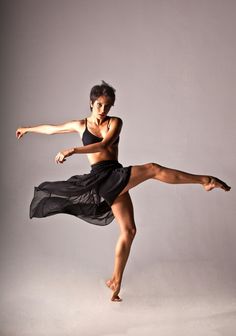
{"x": 147, "y": 171}
{"x": 123, "y": 211}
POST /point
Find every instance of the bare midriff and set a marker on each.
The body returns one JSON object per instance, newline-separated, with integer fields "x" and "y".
{"x": 110, "y": 153}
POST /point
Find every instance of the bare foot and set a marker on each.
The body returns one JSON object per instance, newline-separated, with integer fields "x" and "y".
{"x": 115, "y": 287}
{"x": 214, "y": 182}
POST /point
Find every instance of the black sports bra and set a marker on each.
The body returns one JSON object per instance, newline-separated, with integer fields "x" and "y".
{"x": 89, "y": 138}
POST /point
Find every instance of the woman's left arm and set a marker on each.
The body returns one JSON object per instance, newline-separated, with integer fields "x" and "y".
{"x": 111, "y": 136}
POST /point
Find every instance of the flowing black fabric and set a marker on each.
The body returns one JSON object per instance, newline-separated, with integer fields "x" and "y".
{"x": 88, "y": 196}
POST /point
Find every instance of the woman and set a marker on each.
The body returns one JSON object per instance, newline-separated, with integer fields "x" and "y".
{"x": 103, "y": 194}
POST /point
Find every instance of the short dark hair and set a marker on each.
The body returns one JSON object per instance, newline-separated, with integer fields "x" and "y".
{"x": 102, "y": 90}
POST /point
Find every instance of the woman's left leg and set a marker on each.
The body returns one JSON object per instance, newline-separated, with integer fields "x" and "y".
{"x": 155, "y": 171}
{"x": 122, "y": 209}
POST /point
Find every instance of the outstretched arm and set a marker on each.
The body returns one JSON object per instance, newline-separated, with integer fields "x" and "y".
{"x": 68, "y": 127}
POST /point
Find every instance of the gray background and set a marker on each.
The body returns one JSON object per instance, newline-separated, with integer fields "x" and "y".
{"x": 173, "y": 65}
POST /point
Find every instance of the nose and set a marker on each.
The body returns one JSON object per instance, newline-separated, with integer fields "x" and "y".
{"x": 102, "y": 108}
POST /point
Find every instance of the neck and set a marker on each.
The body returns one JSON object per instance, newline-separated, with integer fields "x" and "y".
{"x": 97, "y": 121}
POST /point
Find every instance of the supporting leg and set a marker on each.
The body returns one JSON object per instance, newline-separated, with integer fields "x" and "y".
{"x": 123, "y": 211}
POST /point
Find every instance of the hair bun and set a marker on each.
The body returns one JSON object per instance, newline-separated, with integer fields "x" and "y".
{"x": 106, "y": 84}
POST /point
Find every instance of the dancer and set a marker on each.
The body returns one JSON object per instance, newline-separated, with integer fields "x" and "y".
{"x": 103, "y": 194}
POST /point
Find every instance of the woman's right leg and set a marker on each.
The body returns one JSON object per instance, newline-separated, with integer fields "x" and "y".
{"x": 141, "y": 173}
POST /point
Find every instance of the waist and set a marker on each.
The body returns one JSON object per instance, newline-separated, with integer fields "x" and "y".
{"x": 106, "y": 155}
{"x": 105, "y": 164}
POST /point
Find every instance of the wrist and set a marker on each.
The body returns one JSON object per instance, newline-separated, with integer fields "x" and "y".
{"x": 75, "y": 151}
{"x": 71, "y": 151}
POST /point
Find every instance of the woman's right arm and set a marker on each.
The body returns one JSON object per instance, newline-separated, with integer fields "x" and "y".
{"x": 68, "y": 127}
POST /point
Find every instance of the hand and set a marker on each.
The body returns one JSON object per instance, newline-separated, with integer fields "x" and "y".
{"x": 61, "y": 156}
{"x": 20, "y": 132}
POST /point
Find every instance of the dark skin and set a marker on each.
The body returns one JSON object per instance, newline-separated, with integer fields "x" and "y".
{"x": 107, "y": 150}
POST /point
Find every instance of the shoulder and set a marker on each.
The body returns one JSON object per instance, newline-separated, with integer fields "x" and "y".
{"x": 78, "y": 125}
{"x": 115, "y": 121}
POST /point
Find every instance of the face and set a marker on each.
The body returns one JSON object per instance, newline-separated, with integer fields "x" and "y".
{"x": 101, "y": 107}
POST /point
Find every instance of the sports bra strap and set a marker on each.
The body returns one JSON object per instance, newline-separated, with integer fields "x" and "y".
{"x": 108, "y": 124}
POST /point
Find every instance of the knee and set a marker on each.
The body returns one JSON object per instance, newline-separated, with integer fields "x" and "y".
{"x": 130, "y": 233}
{"x": 154, "y": 169}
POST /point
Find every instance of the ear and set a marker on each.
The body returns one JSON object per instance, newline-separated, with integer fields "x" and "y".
{"x": 91, "y": 103}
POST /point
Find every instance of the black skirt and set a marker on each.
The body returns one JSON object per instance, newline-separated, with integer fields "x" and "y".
{"x": 87, "y": 196}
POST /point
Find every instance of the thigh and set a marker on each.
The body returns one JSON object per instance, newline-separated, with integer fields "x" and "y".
{"x": 138, "y": 175}
{"x": 123, "y": 211}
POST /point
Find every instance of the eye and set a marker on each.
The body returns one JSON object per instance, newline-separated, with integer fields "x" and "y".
{"x": 99, "y": 104}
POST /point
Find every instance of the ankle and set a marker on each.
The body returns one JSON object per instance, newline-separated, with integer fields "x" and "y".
{"x": 116, "y": 279}
{"x": 206, "y": 180}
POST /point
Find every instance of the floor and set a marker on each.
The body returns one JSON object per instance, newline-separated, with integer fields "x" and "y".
{"x": 169, "y": 299}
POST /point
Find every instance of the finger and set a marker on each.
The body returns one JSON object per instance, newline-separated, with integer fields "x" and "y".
{"x": 57, "y": 155}
{"x": 61, "y": 159}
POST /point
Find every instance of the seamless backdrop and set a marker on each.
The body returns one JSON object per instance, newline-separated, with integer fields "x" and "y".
{"x": 173, "y": 66}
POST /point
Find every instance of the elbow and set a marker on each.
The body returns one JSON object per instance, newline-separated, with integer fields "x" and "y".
{"x": 103, "y": 145}
{"x": 50, "y": 130}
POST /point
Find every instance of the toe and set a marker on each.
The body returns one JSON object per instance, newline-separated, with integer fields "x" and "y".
{"x": 116, "y": 298}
